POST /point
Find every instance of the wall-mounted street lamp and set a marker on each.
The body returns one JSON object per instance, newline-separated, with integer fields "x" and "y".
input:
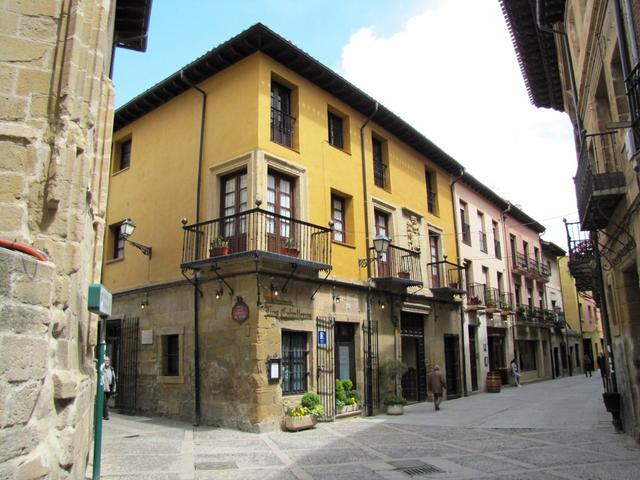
{"x": 380, "y": 246}
{"x": 126, "y": 230}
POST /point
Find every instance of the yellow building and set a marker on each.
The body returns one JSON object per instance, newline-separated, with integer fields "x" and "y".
{"x": 259, "y": 182}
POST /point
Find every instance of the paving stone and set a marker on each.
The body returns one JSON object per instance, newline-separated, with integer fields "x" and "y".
{"x": 293, "y": 442}
{"x": 346, "y": 472}
{"x": 565, "y": 437}
{"x": 144, "y": 476}
{"x": 433, "y": 449}
{"x": 624, "y": 452}
{"x": 141, "y": 446}
{"x": 243, "y": 460}
{"x": 446, "y": 433}
{"x": 247, "y": 474}
{"x": 497, "y": 444}
{"x": 530, "y": 475}
{"x": 135, "y": 464}
{"x": 610, "y": 471}
{"x": 485, "y": 464}
{"x": 330, "y": 456}
{"x": 554, "y": 456}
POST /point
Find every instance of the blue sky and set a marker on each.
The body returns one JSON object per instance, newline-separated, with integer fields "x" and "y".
{"x": 445, "y": 66}
{"x": 181, "y": 31}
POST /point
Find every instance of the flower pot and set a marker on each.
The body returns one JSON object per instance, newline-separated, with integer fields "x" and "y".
{"x": 293, "y": 424}
{"x": 218, "y": 251}
{"x": 291, "y": 251}
{"x": 395, "y": 409}
{"x": 403, "y": 275}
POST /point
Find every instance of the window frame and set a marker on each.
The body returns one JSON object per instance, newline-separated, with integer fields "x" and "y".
{"x": 380, "y": 163}
{"x": 116, "y": 243}
{"x": 289, "y": 362}
{"x": 341, "y": 231}
{"x": 282, "y": 132}
{"x": 527, "y": 355}
{"x": 335, "y": 139}
{"x": 162, "y": 334}
{"x": 122, "y": 154}
{"x": 431, "y": 181}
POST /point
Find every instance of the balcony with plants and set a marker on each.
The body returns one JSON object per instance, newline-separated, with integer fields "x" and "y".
{"x": 256, "y": 234}
{"x": 446, "y": 279}
{"x": 492, "y": 300}
{"x": 582, "y": 257}
{"x": 475, "y": 297}
{"x": 507, "y": 305}
{"x": 600, "y": 183}
{"x": 397, "y": 266}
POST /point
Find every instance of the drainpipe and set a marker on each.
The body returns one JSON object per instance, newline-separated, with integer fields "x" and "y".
{"x": 196, "y": 292}
{"x": 369, "y": 360}
{"x": 462, "y": 342}
{"x": 572, "y": 78}
{"x": 509, "y": 255}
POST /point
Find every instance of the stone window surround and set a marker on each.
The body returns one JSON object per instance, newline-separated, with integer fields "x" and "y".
{"x": 161, "y": 332}
{"x": 257, "y": 164}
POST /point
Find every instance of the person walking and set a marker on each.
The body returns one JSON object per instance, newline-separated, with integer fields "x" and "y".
{"x": 602, "y": 366}
{"x": 515, "y": 371}
{"x": 108, "y": 380}
{"x": 437, "y": 384}
{"x": 588, "y": 365}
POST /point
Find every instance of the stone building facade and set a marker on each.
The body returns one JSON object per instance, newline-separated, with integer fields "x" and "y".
{"x": 55, "y": 139}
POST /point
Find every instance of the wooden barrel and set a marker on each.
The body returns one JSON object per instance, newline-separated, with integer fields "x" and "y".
{"x": 494, "y": 382}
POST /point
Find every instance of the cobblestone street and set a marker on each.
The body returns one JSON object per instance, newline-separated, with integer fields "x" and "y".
{"x": 547, "y": 430}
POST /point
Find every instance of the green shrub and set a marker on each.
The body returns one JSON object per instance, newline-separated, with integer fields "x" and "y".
{"x": 395, "y": 400}
{"x": 341, "y": 395}
{"x": 310, "y": 400}
{"x": 347, "y": 384}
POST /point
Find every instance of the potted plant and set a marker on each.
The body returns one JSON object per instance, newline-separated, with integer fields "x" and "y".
{"x": 289, "y": 247}
{"x": 347, "y": 399}
{"x": 305, "y": 415}
{"x": 522, "y": 311}
{"x": 490, "y": 303}
{"x": 218, "y": 246}
{"x": 391, "y": 371}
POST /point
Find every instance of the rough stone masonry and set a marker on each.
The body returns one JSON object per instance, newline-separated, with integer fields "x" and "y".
{"x": 55, "y": 137}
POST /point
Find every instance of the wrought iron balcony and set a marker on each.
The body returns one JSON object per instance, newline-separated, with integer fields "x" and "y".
{"x": 492, "y": 300}
{"x": 398, "y": 266}
{"x": 633, "y": 92}
{"x": 530, "y": 267}
{"x": 525, "y": 314}
{"x": 446, "y": 279}
{"x": 599, "y": 185}
{"x": 582, "y": 257}
{"x": 256, "y": 233}
{"x": 475, "y": 296}
{"x": 506, "y": 303}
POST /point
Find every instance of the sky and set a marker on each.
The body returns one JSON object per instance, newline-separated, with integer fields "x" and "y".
{"x": 447, "y": 67}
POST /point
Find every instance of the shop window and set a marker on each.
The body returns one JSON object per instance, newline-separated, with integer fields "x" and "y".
{"x": 527, "y": 355}
{"x": 294, "y": 362}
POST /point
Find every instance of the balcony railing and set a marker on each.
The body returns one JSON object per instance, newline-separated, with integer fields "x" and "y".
{"x": 506, "y": 302}
{"x": 466, "y": 234}
{"x": 530, "y": 267}
{"x": 399, "y": 265}
{"x": 256, "y": 230}
{"x": 582, "y": 259}
{"x": 282, "y": 125}
{"x": 475, "y": 296}
{"x": 483, "y": 242}
{"x": 633, "y": 92}
{"x": 599, "y": 185}
{"x": 492, "y": 299}
{"x": 446, "y": 278}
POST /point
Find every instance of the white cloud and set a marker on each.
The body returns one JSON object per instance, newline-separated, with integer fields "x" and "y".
{"x": 452, "y": 74}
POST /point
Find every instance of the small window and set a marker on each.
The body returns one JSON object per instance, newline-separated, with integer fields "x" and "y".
{"x": 338, "y": 218}
{"x": 464, "y": 224}
{"x": 171, "y": 355}
{"x": 380, "y": 174}
{"x": 294, "y": 362}
{"x": 282, "y": 121}
{"x": 116, "y": 241}
{"x": 336, "y": 130}
{"x": 432, "y": 192}
{"x": 123, "y": 155}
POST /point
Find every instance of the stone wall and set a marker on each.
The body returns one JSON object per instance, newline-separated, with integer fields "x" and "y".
{"x": 55, "y": 136}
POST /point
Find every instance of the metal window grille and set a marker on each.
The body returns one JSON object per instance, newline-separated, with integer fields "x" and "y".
{"x": 294, "y": 363}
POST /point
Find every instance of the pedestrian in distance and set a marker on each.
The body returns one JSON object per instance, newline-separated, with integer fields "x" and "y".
{"x": 108, "y": 380}
{"x": 588, "y": 365}
{"x": 602, "y": 366}
{"x": 437, "y": 384}
{"x": 515, "y": 371}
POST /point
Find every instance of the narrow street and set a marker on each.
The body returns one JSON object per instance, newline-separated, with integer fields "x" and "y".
{"x": 546, "y": 430}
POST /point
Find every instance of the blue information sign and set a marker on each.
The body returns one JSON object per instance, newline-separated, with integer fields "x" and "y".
{"x": 322, "y": 337}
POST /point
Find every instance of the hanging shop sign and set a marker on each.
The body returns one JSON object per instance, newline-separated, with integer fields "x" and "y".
{"x": 240, "y": 311}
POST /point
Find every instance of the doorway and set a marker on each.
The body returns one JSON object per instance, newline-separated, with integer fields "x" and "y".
{"x": 414, "y": 381}
{"x": 345, "y": 352}
{"x": 452, "y": 364}
{"x": 496, "y": 349}
{"x": 122, "y": 350}
{"x": 556, "y": 363}
{"x": 473, "y": 357}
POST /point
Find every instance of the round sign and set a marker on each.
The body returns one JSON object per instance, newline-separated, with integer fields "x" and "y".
{"x": 240, "y": 311}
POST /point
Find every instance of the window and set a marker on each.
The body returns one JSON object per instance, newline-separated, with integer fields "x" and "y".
{"x": 464, "y": 224}
{"x": 116, "y": 241}
{"x": 382, "y": 228}
{"x": 432, "y": 192}
{"x": 280, "y": 200}
{"x": 338, "y": 218}
{"x": 122, "y": 155}
{"x": 496, "y": 239}
{"x": 336, "y": 130}
{"x": 171, "y": 355}
{"x": 512, "y": 245}
{"x": 234, "y": 201}
{"x": 434, "y": 250}
{"x": 482, "y": 235}
{"x": 379, "y": 164}
{"x": 525, "y": 250}
{"x": 282, "y": 121}
{"x": 294, "y": 362}
{"x": 527, "y": 355}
